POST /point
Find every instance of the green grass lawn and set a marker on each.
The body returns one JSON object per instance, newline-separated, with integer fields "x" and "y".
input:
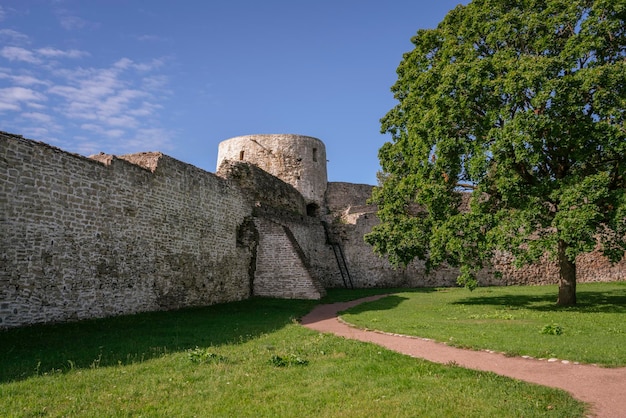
{"x": 517, "y": 320}
{"x": 244, "y": 359}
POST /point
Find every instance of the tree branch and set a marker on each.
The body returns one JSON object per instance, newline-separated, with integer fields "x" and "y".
{"x": 466, "y": 186}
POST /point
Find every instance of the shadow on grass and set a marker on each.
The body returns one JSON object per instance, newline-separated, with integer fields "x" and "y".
{"x": 388, "y": 302}
{"x": 57, "y": 348}
{"x": 611, "y": 301}
{"x": 344, "y": 295}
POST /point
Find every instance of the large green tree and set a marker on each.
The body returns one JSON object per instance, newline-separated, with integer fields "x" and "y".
{"x": 508, "y": 136}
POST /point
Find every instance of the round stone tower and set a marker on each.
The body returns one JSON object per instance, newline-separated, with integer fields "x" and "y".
{"x": 295, "y": 159}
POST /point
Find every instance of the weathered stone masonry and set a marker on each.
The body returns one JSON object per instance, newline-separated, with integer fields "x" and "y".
{"x": 354, "y": 218}
{"x": 82, "y": 238}
{"x": 100, "y": 236}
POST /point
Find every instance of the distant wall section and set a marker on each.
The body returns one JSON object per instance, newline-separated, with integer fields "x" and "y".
{"x": 351, "y": 218}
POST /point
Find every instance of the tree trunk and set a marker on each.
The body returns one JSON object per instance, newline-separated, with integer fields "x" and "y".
{"x": 567, "y": 278}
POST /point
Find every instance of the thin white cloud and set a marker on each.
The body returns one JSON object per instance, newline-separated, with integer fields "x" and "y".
{"x": 2, "y": 14}
{"x": 108, "y": 100}
{"x": 123, "y": 63}
{"x": 39, "y": 125}
{"x": 66, "y": 92}
{"x": 21, "y": 79}
{"x": 38, "y": 117}
{"x": 72, "y": 22}
{"x": 5, "y": 106}
{"x": 100, "y": 130}
{"x": 149, "y": 66}
{"x": 13, "y": 36}
{"x": 14, "y": 53}
{"x": 91, "y": 127}
{"x": 12, "y": 98}
{"x": 148, "y": 38}
{"x": 88, "y": 87}
{"x": 27, "y": 80}
{"x": 126, "y": 63}
{"x": 56, "y": 53}
{"x": 154, "y": 82}
{"x": 87, "y": 146}
{"x": 120, "y": 102}
{"x": 124, "y": 121}
{"x": 145, "y": 109}
{"x": 34, "y": 105}
{"x": 116, "y": 107}
{"x": 38, "y": 132}
{"x": 38, "y": 56}
{"x": 21, "y": 94}
{"x": 115, "y": 133}
{"x": 151, "y": 139}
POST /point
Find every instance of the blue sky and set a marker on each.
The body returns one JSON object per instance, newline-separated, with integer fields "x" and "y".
{"x": 181, "y": 76}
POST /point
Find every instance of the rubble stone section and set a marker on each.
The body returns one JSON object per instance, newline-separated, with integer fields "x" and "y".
{"x": 83, "y": 238}
{"x": 263, "y": 189}
{"x": 295, "y": 159}
{"x": 352, "y": 218}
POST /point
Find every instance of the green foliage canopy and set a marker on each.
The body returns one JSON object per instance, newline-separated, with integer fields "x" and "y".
{"x": 508, "y": 135}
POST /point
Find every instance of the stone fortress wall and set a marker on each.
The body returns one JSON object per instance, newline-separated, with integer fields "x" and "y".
{"x": 82, "y": 238}
{"x": 101, "y": 236}
{"x": 353, "y": 218}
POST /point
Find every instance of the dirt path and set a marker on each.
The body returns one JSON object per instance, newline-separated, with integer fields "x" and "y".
{"x": 604, "y": 389}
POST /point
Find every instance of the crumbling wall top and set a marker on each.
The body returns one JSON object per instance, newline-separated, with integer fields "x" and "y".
{"x": 296, "y": 159}
{"x": 258, "y": 184}
{"x": 147, "y": 160}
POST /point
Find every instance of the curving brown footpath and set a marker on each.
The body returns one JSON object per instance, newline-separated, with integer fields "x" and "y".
{"x": 603, "y": 388}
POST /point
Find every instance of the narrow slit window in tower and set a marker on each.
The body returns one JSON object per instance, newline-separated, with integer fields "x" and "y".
{"x": 315, "y": 154}
{"x": 241, "y": 155}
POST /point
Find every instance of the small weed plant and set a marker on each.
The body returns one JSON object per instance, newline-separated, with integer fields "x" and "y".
{"x": 287, "y": 360}
{"x": 203, "y": 355}
{"x": 552, "y": 329}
